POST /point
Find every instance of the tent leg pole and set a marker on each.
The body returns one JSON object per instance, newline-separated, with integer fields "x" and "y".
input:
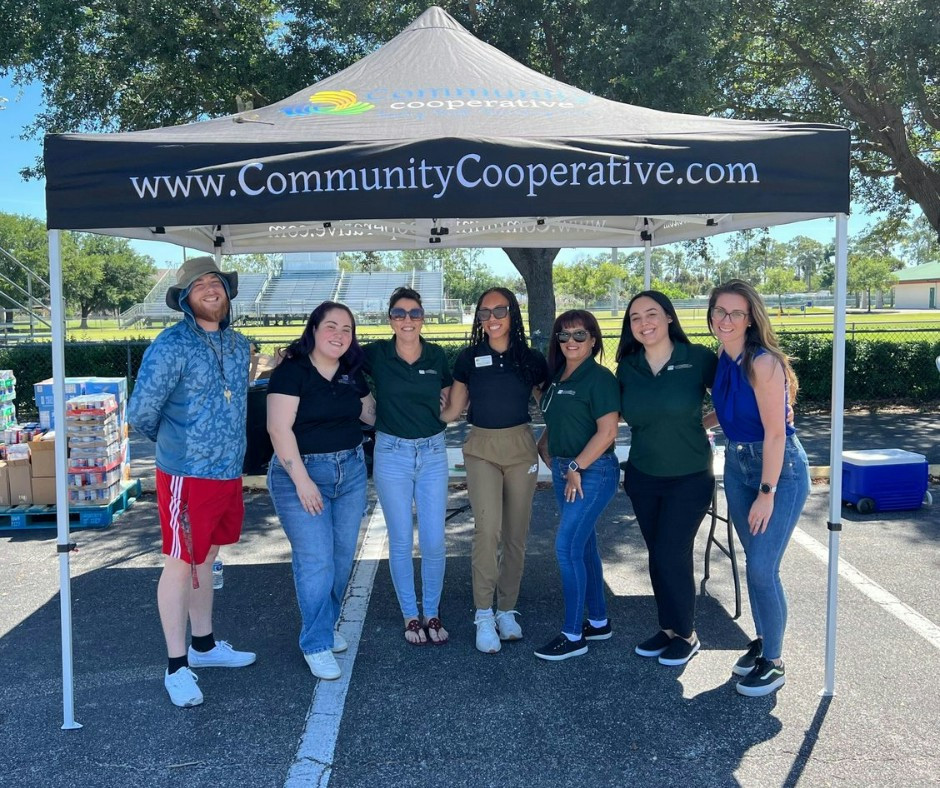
{"x": 63, "y": 546}
{"x": 647, "y": 264}
{"x": 835, "y": 449}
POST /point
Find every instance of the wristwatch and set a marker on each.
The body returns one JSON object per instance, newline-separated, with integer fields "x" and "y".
{"x": 767, "y": 489}
{"x": 573, "y": 466}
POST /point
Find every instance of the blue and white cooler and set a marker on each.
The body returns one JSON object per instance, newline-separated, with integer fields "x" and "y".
{"x": 884, "y": 480}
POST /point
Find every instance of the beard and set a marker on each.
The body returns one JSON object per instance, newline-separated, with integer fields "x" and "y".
{"x": 203, "y": 312}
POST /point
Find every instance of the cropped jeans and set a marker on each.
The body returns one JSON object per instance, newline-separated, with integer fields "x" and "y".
{"x": 323, "y": 546}
{"x": 410, "y": 472}
{"x": 764, "y": 552}
{"x": 582, "y": 576}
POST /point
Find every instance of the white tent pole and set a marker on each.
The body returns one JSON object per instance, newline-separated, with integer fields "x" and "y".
{"x": 647, "y": 263}
{"x": 63, "y": 546}
{"x": 835, "y": 448}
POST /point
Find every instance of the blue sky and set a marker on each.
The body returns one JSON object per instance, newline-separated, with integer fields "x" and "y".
{"x": 28, "y": 197}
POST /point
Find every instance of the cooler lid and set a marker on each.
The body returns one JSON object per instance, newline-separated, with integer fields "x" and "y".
{"x": 883, "y": 457}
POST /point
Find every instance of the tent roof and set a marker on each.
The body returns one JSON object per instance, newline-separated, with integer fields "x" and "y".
{"x": 438, "y": 138}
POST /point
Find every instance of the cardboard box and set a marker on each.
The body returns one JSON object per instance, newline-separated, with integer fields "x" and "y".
{"x": 43, "y": 492}
{"x": 42, "y": 391}
{"x": 21, "y": 484}
{"x": 42, "y": 453}
{"x": 4, "y": 484}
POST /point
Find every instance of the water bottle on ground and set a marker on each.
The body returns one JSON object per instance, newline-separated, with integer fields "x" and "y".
{"x": 217, "y": 577}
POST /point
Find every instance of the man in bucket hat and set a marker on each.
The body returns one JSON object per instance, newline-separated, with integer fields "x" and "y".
{"x": 191, "y": 397}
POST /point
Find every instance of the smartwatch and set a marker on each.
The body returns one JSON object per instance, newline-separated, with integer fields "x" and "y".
{"x": 767, "y": 489}
{"x": 573, "y": 466}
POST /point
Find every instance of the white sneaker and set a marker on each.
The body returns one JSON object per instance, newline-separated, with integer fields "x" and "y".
{"x": 323, "y": 665}
{"x": 487, "y": 639}
{"x": 509, "y": 629}
{"x": 222, "y": 656}
{"x": 182, "y": 688}
{"x": 339, "y": 643}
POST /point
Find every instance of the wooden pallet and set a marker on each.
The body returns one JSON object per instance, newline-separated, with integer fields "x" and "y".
{"x": 21, "y": 518}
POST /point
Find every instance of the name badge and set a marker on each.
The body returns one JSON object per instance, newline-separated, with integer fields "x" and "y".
{"x": 483, "y": 361}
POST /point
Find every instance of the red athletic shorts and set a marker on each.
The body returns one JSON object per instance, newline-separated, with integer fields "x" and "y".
{"x": 214, "y": 509}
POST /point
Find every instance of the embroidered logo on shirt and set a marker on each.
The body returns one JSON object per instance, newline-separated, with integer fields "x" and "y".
{"x": 344, "y": 379}
{"x": 427, "y": 371}
{"x": 678, "y": 366}
{"x": 572, "y": 392}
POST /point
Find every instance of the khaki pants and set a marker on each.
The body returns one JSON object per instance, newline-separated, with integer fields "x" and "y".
{"x": 502, "y": 469}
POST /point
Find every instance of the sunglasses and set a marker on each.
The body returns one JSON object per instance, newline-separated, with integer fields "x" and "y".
{"x": 397, "y": 313}
{"x": 499, "y": 312}
{"x": 578, "y": 336}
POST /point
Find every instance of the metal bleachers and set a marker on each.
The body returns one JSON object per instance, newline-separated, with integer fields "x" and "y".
{"x": 296, "y": 293}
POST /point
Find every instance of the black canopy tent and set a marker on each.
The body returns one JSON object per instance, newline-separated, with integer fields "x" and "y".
{"x": 438, "y": 139}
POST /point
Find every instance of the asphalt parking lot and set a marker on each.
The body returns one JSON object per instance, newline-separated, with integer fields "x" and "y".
{"x": 452, "y": 716}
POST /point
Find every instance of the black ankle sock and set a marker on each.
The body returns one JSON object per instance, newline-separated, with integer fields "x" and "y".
{"x": 173, "y": 664}
{"x": 203, "y": 642}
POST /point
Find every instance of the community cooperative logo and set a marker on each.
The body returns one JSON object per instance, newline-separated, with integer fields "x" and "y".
{"x": 330, "y": 102}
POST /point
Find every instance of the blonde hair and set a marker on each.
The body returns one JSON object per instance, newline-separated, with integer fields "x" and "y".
{"x": 758, "y": 335}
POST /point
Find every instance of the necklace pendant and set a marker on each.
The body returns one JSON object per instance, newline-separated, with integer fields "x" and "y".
{"x": 228, "y": 395}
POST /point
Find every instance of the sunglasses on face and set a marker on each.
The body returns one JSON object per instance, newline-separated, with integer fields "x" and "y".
{"x": 581, "y": 335}
{"x": 719, "y": 314}
{"x": 397, "y": 313}
{"x": 499, "y": 312}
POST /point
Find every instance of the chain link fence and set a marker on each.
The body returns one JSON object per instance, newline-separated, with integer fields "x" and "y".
{"x": 882, "y": 366}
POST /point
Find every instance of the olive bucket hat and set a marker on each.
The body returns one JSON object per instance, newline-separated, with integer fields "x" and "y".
{"x": 190, "y": 271}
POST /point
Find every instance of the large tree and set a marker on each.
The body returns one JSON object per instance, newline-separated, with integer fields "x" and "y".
{"x": 870, "y": 65}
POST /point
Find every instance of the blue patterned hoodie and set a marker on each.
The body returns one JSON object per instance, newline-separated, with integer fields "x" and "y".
{"x": 179, "y": 398}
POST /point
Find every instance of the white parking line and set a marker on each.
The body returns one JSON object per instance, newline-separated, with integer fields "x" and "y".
{"x": 313, "y": 761}
{"x": 880, "y": 596}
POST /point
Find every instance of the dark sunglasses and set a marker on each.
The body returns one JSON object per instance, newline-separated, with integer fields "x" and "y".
{"x": 397, "y": 313}
{"x": 499, "y": 312}
{"x": 578, "y": 336}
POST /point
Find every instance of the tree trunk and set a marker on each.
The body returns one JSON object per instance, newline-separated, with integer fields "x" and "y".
{"x": 535, "y": 266}
{"x": 84, "y": 324}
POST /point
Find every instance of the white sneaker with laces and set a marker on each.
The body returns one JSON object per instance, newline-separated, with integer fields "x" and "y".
{"x": 339, "y": 643}
{"x": 323, "y": 665}
{"x": 222, "y": 656}
{"x": 182, "y": 689}
{"x": 487, "y": 639}
{"x": 509, "y": 628}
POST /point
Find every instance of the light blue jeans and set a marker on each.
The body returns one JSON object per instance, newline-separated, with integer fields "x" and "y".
{"x": 582, "y": 576}
{"x": 410, "y": 472}
{"x": 764, "y": 552}
{"x": 323, "y": 546}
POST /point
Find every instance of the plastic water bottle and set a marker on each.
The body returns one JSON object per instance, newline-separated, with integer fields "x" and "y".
{"x": 218, "y": 578}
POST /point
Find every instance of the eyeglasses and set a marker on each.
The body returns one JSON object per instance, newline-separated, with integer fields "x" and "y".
{"x": 719, "y": 314}
{"x": 499, "y": 312}
{"x": 578, "y": 336}
{"x": 397, "y": 313}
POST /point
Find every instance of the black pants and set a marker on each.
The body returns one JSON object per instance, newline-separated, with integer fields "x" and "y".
{"x": 669, "y": 510}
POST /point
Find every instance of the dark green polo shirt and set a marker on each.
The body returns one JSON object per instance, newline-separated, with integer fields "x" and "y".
{"x": 571, "y": 408}
{"x": 407, "y": 396}
{"x": 664, "y": 411}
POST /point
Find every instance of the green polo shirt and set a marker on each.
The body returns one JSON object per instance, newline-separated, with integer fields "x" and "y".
{"x": 664, "y": 411}
{"x": 572, "y": 407}
{"x": 407, "y": 396}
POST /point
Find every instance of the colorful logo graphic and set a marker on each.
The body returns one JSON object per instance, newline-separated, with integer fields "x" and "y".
{"x": 331, "y": 102}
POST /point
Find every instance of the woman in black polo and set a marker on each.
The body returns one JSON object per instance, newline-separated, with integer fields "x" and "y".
{"x": 663, "y": 380}
{"x": 410, "y": 462}
{"x": 580, "y": 408}
{"x": 496, "y": 375}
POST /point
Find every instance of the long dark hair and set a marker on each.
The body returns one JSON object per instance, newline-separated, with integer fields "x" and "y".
{"x": 758, "y": 334}
{"x": 519, "y": 355}
{"x": 573, "y": 317}
{"x": 628, "y": 343}
{"x": 350, "y": 361}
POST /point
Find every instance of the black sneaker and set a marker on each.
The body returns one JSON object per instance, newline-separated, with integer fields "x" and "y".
{"x": 679, "y": 651}
{"x": 745, "y": 663}
{"x": 654, "y": 646}
{"x": 562, "y": 648}
{"x": 763, "y": 679}
{"x": 590, "y": 632}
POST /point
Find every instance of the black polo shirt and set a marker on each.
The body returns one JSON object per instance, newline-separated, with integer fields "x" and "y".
{"x": 572, "y": 407}
{"x": 407, "y": 396}
{"x": 328, "y": 411}
{"x": 499, "y": 398}
{"x": 664, "y": 411}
